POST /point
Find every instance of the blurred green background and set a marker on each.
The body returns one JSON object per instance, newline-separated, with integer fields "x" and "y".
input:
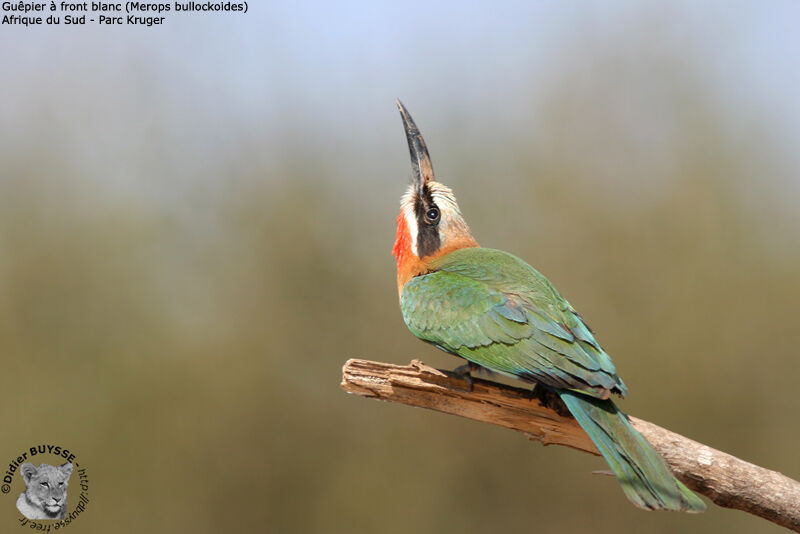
{"x": 195, "y": 232}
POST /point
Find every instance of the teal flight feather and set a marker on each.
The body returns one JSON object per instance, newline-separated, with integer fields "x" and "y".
{"x": 496, "y": 311}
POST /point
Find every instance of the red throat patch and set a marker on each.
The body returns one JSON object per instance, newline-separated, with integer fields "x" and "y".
{"x": 408, "y": 264}
{"x": 402, "y": 242}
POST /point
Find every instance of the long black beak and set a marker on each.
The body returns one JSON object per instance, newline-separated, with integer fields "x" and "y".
{"x": 420, "y": 160}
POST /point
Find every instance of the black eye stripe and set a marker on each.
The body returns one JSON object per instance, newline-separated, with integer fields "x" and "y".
{"x": 427, "y": 212}
{"x": 428, "y": 240}
{"x": 425, "y": 208}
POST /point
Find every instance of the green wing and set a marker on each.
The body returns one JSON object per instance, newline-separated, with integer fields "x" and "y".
{"x": 496, "y": 311}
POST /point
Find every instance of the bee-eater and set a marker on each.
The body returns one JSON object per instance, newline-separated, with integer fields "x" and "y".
{"x": 500, "y": 314}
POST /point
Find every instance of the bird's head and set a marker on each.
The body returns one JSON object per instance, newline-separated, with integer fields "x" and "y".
{"x": 430, "y": 223}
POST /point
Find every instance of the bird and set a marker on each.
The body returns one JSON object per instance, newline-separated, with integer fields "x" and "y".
{"x": 501, "y": 315}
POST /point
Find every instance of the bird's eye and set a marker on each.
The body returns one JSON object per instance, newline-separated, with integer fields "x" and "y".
{"x": 432, "y": 215}
{"x": 45, "y": 484}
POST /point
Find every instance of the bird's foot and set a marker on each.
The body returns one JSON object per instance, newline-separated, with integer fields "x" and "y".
{"x": 550, "y": 399}
{"x": 464, "y": 372}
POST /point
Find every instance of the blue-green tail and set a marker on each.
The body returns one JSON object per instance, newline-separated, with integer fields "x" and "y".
{"x": 644, "y": 475}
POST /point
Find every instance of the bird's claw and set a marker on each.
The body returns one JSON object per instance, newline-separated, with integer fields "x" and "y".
{"x": 464, "y": 372}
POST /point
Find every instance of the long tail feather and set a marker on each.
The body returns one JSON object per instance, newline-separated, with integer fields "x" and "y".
{"x": 643, "y": 474}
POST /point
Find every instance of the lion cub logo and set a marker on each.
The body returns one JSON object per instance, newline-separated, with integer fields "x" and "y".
{"x": 46, "y": 496}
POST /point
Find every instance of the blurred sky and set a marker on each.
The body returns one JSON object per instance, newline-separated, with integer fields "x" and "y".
{"x": 331, "y": 71}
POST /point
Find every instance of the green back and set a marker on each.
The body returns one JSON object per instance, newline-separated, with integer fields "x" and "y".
{"x": 495, "y": 310}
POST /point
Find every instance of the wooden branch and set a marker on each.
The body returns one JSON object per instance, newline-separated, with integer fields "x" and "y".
{"x": 725, "y": 479}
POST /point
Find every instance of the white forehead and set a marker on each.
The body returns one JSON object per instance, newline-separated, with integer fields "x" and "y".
{"x": 442, "y": 197}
